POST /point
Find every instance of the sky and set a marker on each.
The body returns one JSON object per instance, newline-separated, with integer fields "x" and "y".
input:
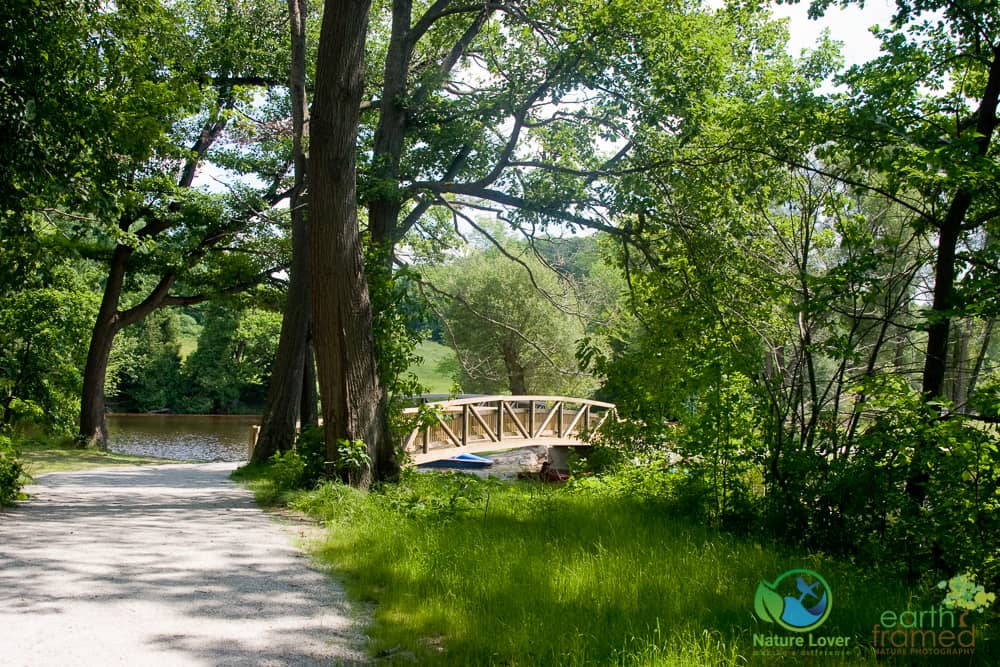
{"x": 849, "y": 26}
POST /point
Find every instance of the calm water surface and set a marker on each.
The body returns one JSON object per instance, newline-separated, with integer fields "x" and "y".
{"x": 225, "y": 438}
{"x": 182, "y": 437}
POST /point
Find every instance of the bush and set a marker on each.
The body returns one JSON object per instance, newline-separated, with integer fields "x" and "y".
{"x": 311, "y": 449}
{"x": 11, "y": 471}
{"x": 859, "y": 502}
{"x": 287, "y": 470}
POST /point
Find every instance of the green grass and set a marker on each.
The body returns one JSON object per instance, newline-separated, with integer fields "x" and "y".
{"x": 437, "y": 368}
{"x": 47, "y": 455}
{"x": 466, "y": 572}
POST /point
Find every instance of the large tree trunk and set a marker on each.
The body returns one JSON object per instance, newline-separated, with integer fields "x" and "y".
{"x": 93, "y": 424}
{"x": 110, "y": 320}
{"x": 354, "y": 406}
{"x": 309, "y": 406}
{"x": 285, "y": 394}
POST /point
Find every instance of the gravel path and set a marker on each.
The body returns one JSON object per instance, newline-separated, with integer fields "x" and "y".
{"x": 168, "y": 565}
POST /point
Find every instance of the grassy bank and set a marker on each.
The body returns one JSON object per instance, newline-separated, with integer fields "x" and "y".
{"x": 469, "y": 572}
{"x": 45, "y": 455}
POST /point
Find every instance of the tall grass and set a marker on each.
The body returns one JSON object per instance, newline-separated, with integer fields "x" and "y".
{"x": 472, "y": 572}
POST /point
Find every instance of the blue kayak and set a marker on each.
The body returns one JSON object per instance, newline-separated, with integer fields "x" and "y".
{"x": 460, "y": 461}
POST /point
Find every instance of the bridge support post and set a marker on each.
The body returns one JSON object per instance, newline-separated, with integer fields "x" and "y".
{"x": 465, "y": 425}
{"x": 500, "y": 421}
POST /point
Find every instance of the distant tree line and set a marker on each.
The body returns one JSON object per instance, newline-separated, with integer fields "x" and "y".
{"x": 226, "y": 373}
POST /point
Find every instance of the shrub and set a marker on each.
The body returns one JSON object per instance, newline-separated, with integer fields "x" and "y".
{"x": 287, "y": 470}
{"x": 853, "y": 496}
{"x": 11, "y": 471}
{"x": 311, "y": 449}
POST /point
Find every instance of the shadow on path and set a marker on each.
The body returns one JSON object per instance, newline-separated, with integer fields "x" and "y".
{"x": 167, "y": 565}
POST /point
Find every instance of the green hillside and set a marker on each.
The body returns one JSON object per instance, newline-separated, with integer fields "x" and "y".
{"x": 437, "y": 369}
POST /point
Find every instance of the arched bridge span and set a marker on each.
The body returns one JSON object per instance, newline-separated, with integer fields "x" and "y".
{"x": 495, "y": 423}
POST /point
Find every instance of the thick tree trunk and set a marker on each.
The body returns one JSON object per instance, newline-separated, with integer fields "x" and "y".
{"x": 93, "y": 424}
{"x": 515, "y": 370}
{"x": 285, "y": 394}
{"x": 309, "y": 406}
{"x": 354, "y": 406}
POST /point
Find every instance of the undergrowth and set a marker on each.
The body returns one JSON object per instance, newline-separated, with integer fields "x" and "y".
{"x": 483, "y": 572}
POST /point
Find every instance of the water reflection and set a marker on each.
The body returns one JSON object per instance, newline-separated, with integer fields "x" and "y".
{"x": 182, "y": 437}
{"x": 225, "y": 438}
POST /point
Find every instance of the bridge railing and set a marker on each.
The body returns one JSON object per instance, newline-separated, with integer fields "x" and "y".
{"x": 489, "y": 423}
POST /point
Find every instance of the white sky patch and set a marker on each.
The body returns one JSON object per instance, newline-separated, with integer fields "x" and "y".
{"x": 849, "y": 26}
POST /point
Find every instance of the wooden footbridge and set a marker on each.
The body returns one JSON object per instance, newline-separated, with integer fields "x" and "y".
{"x": 495, "y": 423}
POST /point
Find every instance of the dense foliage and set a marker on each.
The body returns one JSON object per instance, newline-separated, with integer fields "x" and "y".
{"x": 11, "y": 471}
{"x": 225, "y": 373}
{"x": 515, "y": 317}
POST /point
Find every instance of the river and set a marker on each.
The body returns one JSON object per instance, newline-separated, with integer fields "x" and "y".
{"x": 225, "y": 438}
{"x": 182, "y": 437}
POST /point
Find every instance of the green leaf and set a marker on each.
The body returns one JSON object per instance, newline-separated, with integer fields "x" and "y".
{"x": 768, "y": 603}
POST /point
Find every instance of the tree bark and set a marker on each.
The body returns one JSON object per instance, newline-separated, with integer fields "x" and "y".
{"x": 309, "y": 406}
{"x": 285, "y": 394}
{"x": 110, "y": 320}
{"x": 93, "y": 425}
{"x": 353, "y": 401}
{"x": 515, "y": 370}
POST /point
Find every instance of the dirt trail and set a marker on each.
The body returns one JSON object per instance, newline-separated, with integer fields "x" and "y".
{"x": 165, "y": 565}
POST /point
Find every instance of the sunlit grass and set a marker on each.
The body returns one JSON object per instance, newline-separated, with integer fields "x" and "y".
{"x": 471, "y": 573}
{"x": 45, "y": 455}
{"x": 434, "y": 371}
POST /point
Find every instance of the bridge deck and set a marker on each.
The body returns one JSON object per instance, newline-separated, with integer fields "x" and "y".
{"x": 495, "y": 423}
